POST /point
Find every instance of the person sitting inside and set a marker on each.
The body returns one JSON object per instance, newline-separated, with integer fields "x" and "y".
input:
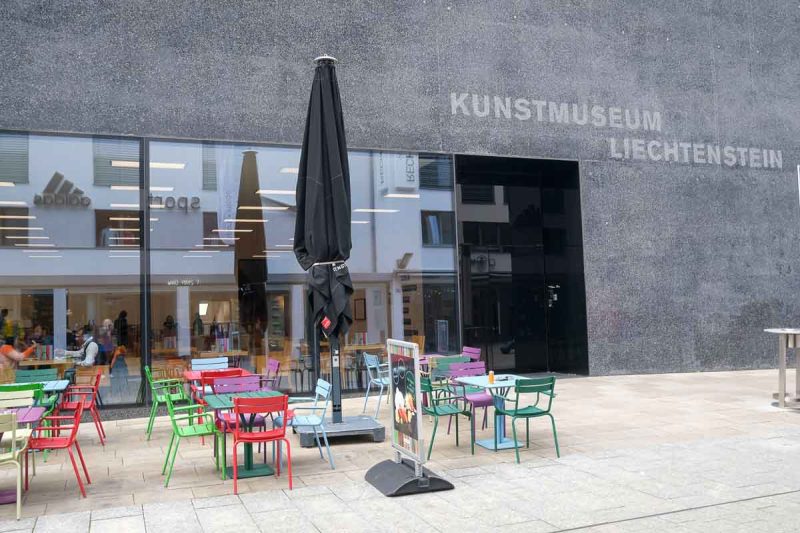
{"x": 11, "y": 356}
{"x": 89, "y": 350}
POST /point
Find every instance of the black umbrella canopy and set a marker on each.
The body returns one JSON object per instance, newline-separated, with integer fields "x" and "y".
{"x": 251, "y": 272}
{"x": 322, "y": 227}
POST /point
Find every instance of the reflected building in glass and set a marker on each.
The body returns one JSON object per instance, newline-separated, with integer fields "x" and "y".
{"x": 191, "y": 242}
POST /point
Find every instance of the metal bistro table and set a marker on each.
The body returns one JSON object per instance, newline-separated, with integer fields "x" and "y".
{"x": 787, "y": 338}
{"x": 502, "y": 384}
{"x": 221, "y": 402}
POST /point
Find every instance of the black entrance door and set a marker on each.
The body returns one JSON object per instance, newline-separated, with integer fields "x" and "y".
{"x": 521, "y": 263}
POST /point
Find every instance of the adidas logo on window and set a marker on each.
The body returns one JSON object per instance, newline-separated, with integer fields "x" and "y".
{"x": 61, "y": 193}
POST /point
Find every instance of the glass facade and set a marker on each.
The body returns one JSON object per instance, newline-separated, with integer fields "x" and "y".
{"x": 169, "y": 250}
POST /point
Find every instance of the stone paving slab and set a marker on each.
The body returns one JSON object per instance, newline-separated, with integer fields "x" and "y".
{"x": 738, "y": 472}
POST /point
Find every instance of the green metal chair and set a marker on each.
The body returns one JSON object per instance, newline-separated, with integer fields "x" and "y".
{"x": 186, "y": 425}
{"x": 160, "y": 390}
{"x": 443, "y": 401}
{"x": 540, "y": 387}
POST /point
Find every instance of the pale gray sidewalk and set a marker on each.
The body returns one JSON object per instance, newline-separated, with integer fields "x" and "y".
{"x": 710, "y": 485}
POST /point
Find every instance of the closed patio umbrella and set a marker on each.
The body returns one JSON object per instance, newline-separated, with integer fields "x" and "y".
{"x": 322, "y": 224}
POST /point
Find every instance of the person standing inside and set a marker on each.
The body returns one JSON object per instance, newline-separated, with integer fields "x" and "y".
{"x": 10, "y": 356}
{"x": 121, "y": 333}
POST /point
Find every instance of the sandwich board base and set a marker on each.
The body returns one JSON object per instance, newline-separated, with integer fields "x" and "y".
{"x": 398, "y": 479}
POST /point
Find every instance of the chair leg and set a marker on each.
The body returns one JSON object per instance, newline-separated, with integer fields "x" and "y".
{"x": 77, "y": 473}
{"x": 27, "y": 482}
{"x": 327, "y": 447}
{"x": 97, "y": 427}
{"x": 153, "y": 411}
{"x": 235, "y": 468}
{"x": 19, "y": 489}
{"x": 289, "y": 460}
{"x": 172, "y": 460}
{"x": 456, "y": 417}
{"x": 472, "y": 432}
{"x": 514, "y": 433}
{"x": 96, "y": 414}
{"x": 555, "y": 435}
{"x": 485, "y": 418}
{"x": 319, "y": 445}
{"x": 223, "y": 456}
{"x": 366, "y": 397}
{"x": 380, "y": 396}
{"x": 83, "y": 463}
{"x": 169, "y": 451}
{"x": 527, "y": 433}
{"x": 433, "y": 435}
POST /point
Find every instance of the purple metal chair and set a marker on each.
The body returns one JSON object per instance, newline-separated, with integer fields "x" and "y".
{"x": 270, "y": 380}
{"x": 472, "y": 353}
{"x": 476, "y": 397}
{"x": 226, "y": 421}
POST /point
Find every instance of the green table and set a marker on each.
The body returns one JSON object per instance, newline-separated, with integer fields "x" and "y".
{"x": 223, "y": 402}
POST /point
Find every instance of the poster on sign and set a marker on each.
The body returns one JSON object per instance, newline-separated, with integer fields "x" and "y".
{"x": 406, "y": 399}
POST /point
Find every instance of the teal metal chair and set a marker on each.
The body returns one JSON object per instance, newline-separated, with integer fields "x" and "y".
{"x": 378, "y": 376}
{"x": 540, "y": 387}
{"x": 315, "y": 419}
{"x": 443, "y": 401}
{"x": 160, "y": 389}
{"x": 35, "y": 375}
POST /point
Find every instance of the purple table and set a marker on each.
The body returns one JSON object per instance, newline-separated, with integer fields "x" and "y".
{"x": 25, "y": 415}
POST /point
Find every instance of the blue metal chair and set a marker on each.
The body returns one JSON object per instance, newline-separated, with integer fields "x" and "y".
{"x": 378, "y": 375}
{"x": 316, "y": 417}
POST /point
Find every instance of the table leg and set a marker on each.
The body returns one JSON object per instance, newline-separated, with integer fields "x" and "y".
{"x": 797, "y": 368}
{"x": 503, "y": 442}
{"x": 782, "y": 340}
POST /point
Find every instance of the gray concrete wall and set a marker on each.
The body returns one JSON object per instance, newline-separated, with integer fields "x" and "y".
{"x": 686, "y": 262}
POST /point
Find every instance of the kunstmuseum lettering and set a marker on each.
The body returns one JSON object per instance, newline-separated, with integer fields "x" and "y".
{"x": 596, "y": 115}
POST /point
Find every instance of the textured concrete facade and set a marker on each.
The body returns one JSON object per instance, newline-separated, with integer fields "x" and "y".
{"x": 686, "y": 260}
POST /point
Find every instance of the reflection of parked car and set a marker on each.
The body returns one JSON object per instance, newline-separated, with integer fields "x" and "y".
{"x": 507, "y": 347}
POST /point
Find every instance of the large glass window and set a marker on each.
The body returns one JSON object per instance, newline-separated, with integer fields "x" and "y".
{"x": 224, "y": 279}
{"x": 69, "y": 246}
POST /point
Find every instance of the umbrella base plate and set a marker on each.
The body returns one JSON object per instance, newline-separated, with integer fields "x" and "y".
{"x": 398, "y": 479}
{"x": 350, "y": 426}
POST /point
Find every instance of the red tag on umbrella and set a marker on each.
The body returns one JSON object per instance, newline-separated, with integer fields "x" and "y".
{"x": 326, "y": 322}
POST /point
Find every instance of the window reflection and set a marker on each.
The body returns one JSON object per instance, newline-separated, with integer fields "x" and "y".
{"x": 206, "y": 252}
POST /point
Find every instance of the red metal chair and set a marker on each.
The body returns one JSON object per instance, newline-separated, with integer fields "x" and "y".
{"x": 50, "y": 437}
{"x": 85, "y": 396}
{"x": 274, "y": 405}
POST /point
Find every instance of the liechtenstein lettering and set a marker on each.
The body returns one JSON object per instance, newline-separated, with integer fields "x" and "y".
{"x": 596, "y": 115}
{"x": 61, "y": 192}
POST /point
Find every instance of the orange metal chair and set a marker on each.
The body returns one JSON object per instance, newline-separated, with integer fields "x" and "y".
{"x": 55, "y": 440}
{"x": 85, "y": 396}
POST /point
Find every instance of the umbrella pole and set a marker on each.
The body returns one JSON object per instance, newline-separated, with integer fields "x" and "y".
{"x": 336, "y": 379}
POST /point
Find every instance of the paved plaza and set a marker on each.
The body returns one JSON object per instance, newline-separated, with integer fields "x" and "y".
{"x": 678, "y": 452}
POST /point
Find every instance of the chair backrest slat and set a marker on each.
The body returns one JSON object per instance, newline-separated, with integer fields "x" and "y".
{"x": 471, "y": 352}
{"x": 275, "y": 405}
{"x": 25, "y": 375}
{"x": 474, "y": 368}
{"x": 228, "y": 385}
{"x": 18, "y": 398}
{"x": 439, "y": 366}
{"x": 535, "y": 385}
{"x": 210, "y": 363}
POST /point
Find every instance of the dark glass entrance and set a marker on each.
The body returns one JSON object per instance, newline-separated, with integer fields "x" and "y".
{"x": 521, "y": 263}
